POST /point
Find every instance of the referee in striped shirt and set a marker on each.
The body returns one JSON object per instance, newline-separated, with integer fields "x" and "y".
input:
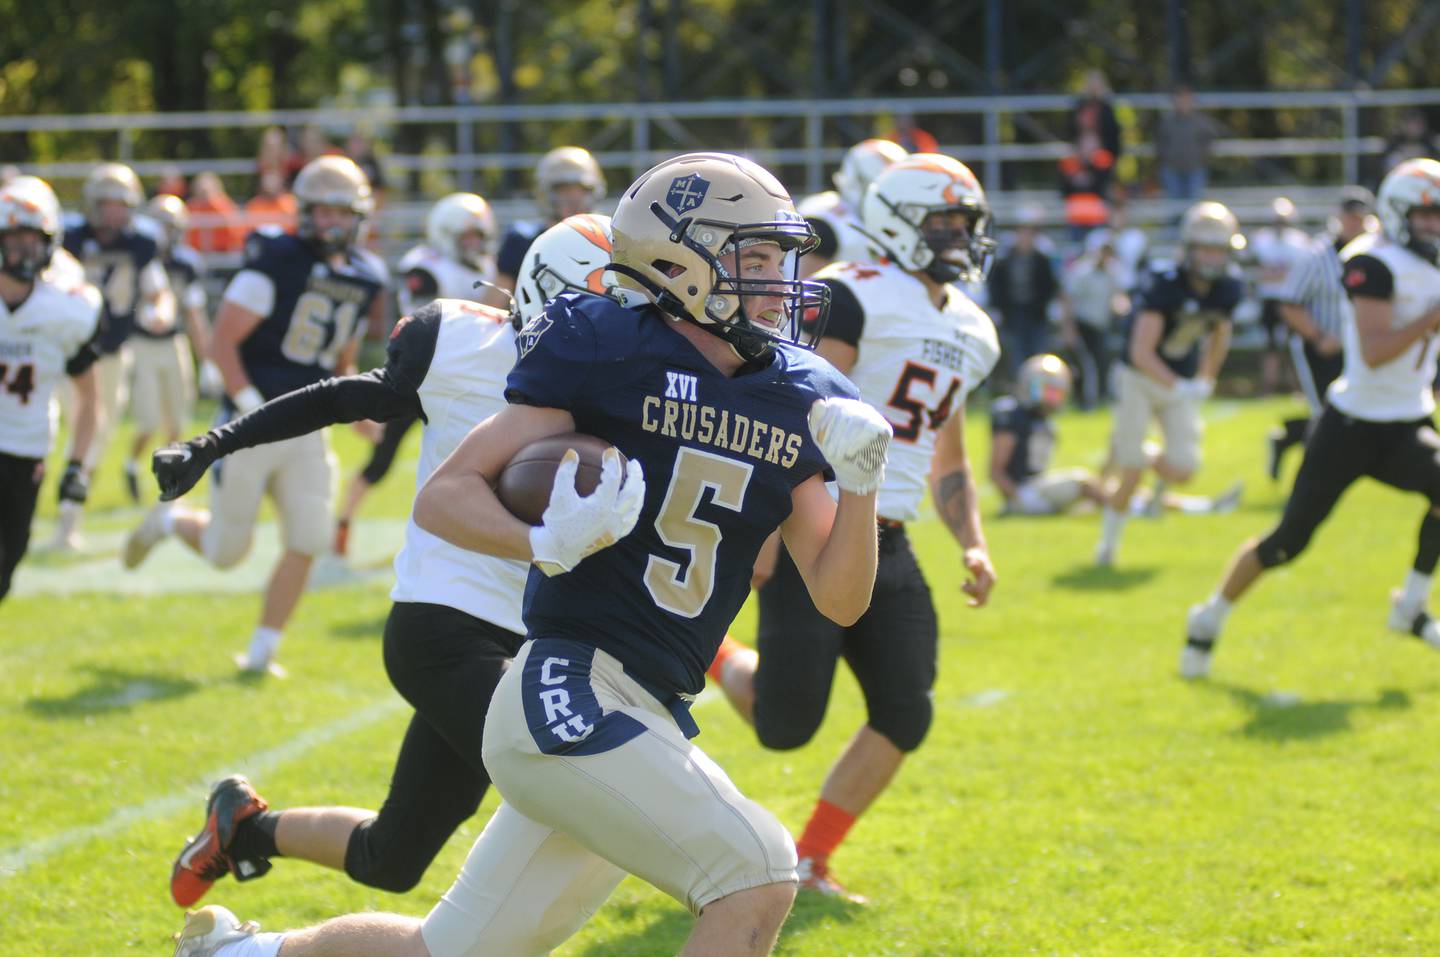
{"x": 1314, "y": 306}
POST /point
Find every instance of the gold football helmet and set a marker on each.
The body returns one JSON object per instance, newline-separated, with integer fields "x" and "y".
{"x": 332, "y": 181}
{"x": 1210, "y": 224}
{"x": 1043, "y": 382}
{"x": 679, "y": 231}
{"x": 110, "y": 181}
{"x": 566, "y": 166}
{"x": 172, "y": 215}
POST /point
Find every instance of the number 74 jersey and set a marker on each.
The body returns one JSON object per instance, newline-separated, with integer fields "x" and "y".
{"x": 916, "y": 364}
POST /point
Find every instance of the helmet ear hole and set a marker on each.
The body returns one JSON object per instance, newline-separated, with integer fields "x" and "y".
{"x": 671, "y": 269}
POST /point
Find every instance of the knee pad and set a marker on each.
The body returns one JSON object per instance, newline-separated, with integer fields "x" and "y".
{"x": 1281, "y": 546}
{"x": 904, "y": 722}
{"x": 392, "y": 850}
{"x": 222, "y": 550}
{"x": 791, "y": 728}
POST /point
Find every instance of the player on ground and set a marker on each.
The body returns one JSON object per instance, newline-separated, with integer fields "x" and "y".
{"x": 162, "y": 393}
{"x": 916, "y": 346}
{"x": 455, "y": 259}
{"x": 291, "y": 316}
{"x": 456, "y": 619}
{"x": 1377, "y": 420}
{"x": 1175, "y": 346}
{"x": 1315, "y": 307}
{"x": 125, "y": 265}
{"x": 727, "y": 427}
{"x": 48, "y": 329}
{"x": 835, "y": 214}
{"x": 568, "y": 182}
{"x": 1023, "y": 438}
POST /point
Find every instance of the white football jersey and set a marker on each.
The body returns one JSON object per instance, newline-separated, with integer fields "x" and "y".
{"x": 1399, "y": 390}
{"x": 464, "y": 385}
{"x": 455, "y": 280}
{"x": 854, "y": 245}
{"x": 916, "y": 364}
{"x": 36, "y": 341}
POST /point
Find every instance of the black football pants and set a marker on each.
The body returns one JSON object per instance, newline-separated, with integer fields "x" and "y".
{"x": 19, "y": 490}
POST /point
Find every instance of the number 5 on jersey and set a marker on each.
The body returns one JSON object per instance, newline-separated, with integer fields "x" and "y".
{"x": 685, "y": 591}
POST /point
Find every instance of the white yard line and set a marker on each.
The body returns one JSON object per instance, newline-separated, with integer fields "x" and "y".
{"x": 14, "y": 860}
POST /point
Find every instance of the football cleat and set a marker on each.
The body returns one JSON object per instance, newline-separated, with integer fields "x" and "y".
{"x": 206, "y": 857}
{"x": 1228, "y": 500}
{"x": 1412, "y": 621}
{"x": 815, "y": 876}
{"x": 149, "y": 533}
{"x": 259, "y": 669}
{"x": 1274, "y": 450}
{"x": 1104, "y": 555}
{"x": 132, "y": 482}
{"x": 210, "y": 928}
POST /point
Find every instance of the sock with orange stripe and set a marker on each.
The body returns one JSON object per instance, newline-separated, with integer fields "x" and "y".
{"x": 826, "y": 828}
{"x": 728, "y": 647}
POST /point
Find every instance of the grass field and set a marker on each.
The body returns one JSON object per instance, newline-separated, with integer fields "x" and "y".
{"x": 1074, "y": 796}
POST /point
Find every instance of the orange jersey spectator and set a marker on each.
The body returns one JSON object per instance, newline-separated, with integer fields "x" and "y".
{"x": 213, "y": 226}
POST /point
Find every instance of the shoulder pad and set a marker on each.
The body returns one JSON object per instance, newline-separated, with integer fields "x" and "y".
{"x": 371, "y": 263}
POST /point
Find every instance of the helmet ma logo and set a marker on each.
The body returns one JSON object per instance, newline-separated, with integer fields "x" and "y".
{"x": 686, "y": 193}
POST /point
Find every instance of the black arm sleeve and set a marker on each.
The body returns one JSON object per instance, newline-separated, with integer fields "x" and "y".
{"x": 829, "y": 243}
{"x": 390, "y": 392}
{"x": 86, "y": 355}
{"x": 1369, "y": 277}
{"x": 847, "y": 317}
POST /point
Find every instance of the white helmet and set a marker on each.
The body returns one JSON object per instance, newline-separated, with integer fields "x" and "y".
{"x": 28, "y": 202}
{"x": 862, "y": 163}
{"x": 172, "y": 214}
{"x": 111, "y": 181}
{"x": 1414, "y": 184}
{"x": 453, "y": 217}
{"x": 679, "y": 231}
{"x": 897, "y": 203}
{"x": 1210, "y": 224}
{"x": 570, "y": 256}
{"x": 332, "y": 181}
{"x": 566, "y": 166}
{"x": 1043, "y": 382}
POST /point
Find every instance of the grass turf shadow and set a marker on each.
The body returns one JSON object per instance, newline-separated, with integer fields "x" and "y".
{"x": 111, "y": 690}
{"x": 1279, "y": 720}
{"x": 1095, "y": 578}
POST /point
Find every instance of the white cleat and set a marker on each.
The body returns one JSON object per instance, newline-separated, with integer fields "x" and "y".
{"x": 149, "y": 533}
{"x": 1413, "y": 621}
{"x": 259, "y": 669}
{"x": 210, "y": 928}
{"x": 1200, "y": 635}
{"x": 1104, "y": 556}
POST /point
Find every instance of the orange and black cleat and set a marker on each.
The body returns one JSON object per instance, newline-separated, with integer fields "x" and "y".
{"x": 206, "y": 857}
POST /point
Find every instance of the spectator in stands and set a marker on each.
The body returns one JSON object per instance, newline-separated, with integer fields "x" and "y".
{"x": 910, "y": 135}
{"x": 1276, "y": 247}
{"x": 1022, "y": 286}
{"x": 213, "y": 226}
{"x": 8, "y": 172}
{"x": 1096, "y": 298}
{"x": 1085, "y": 178}
{"x": 273, "y": 155}
{"x": 1412, "y": 140}
{"x": 1182, "y": 148}
{"x": 359, "y": 148}
{"x": 1132, "y": 245}
{"x": 1094, "y": 113}
{"x": 273, "y": 205}
{"x": 313, "y": 144}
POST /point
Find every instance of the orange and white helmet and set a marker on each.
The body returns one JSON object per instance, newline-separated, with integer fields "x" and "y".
{"x": 566, "y": 166}
{"x": 898, "y": 202}
{"x": 28, "y": 202}
{"x": 571, "y": 256}
{"x": 1413, "y": 184}
{"x": 453, "y": 217}
{"x": 863, "y": 162}
{"x": 680, "y": 231}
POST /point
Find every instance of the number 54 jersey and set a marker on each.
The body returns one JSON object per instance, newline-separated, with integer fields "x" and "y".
{"x": 312, "y": 310}
{"x": 721, "y": 456}
{"x": 915, "y": 363}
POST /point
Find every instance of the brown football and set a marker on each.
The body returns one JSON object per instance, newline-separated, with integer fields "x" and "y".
{"x": 525, "y": 484}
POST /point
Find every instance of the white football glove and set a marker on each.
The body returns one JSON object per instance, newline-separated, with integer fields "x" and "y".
{"x": 1198, "y": 389}
{"x": 853, "y": 437}
{"x": 212, "y": 383}
{"x": 574, "y": 527}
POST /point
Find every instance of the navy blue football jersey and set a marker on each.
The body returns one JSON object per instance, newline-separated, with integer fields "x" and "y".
{"x": 721, "y": 456}
{"x": 1034, "y": 437}
{"x": 114, "y": 268}
{"x": 1188, "y": 318}
{"x": 515, "y": 244}
{"x": 318, "y": 311}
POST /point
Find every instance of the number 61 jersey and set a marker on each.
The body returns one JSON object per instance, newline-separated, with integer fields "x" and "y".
{"x": 312, "y": 310}
{"x": 914, "y": 362}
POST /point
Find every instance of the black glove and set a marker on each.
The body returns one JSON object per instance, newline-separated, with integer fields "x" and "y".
{"x": 74, "y": 487}
{"x": 179, "y": 466}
